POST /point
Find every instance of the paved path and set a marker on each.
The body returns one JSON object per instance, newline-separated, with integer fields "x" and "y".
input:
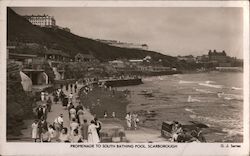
{"x": 56, "y": 110}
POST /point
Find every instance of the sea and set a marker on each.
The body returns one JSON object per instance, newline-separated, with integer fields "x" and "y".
{"x": 214, "y": 98}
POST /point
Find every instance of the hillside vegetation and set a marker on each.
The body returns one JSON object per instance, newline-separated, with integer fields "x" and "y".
{"x": 20, "y": 30}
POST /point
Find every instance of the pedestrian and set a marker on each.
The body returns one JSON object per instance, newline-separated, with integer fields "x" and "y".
{"x": 84, "y": 130}
{"x": 65, "y": 102}
{"x": 71, "y": 97}
{"x": 73, "y": 125}
{"x": 75, "y": 87}
{"x": 113, "y": 115}
{"x": 80, "y": 115}
{"x": 75, "y": 138}
{"x": 92, "y": 133}
{"x": 133, "y": 121}
{"x": 105, "y": 115}
{"x": 64, "y": 136}
{"x": 51, "y": 133}
{"x": 128, "y": 121}
{"x": 72, "y": 113}
{"x": 45, "y": 135}
{"x": 49, "y": 103}
{"x": 56, "y": 98}
{"x": 58, "y": 123}
{"x": 98, "y": 123}
{"x": 42, "y": 96}
{"x": 46, "y": 95}
{"x": 34, "y": 127}
{"x": 71, "y": 87}
{"x": 42, "y": 125}
{"x": 39, "y": 111}
{"x": 78, "y": 107}
{"x": 45, "y": 111}
{"x": 67, "y": 87}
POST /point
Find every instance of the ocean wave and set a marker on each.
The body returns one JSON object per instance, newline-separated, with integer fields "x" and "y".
{"x": 189, "y": 110}
{"x": 204, "y": 91}
{"x": 236, "y": 88}
{"x": 209, "y": 82}
{"x": 211, "y": 85}
{"x": 235, "y": 130}
{"x": 184, "y": 82}
{"x": 190, "y": 99}
{"x": 232, "y": 132}
{"x": 230, "y": 96}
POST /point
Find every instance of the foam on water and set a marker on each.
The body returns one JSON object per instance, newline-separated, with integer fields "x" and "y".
{"x": 184, "y": 82}
{"x": 209, "y": 82}
{"x": 232, "y": 132}
{"x": 190, "y": 99}
{"x": 204, "y": 91}
{"x": 189, "y": 110}
{"x": 211, "y": 85}
{"x": 236, "y": 88}
{"x": 230, "y": 96}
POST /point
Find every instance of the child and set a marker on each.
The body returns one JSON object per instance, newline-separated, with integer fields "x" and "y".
{"x": 34, "y": 127}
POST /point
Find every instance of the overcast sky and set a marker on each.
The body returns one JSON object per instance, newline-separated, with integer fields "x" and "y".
{"x": 171, "y": 31}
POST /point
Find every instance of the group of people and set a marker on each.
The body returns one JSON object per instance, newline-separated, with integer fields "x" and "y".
{"x": 72, "y": 87}
{"x": 181, "y": 135}
{"x": 42, "y": 131}
{"x": 132, "y": 120}
{"x": 79, "y": 130}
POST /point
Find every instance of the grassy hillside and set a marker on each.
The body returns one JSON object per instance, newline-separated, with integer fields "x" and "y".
{"x": 19, "y": 29}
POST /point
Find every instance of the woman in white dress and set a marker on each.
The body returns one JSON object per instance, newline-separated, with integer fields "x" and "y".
{"x": 92, "y": 133}
{"x": 34, "y": 127}
{"x": 128, "y": 120}
{"x": 73, "y": 125}
{"x": 42, "y": 96}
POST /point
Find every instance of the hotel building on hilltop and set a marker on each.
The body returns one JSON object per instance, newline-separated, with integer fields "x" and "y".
{"x": 41, "y": 20}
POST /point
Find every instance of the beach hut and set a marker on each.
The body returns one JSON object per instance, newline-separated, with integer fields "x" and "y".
{"x": 26, "y": 82}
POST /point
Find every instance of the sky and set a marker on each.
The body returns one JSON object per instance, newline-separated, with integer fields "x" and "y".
{"x": 171, "y": 31}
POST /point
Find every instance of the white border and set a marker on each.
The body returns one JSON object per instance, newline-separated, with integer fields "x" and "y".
{"x": 63, "y": 149}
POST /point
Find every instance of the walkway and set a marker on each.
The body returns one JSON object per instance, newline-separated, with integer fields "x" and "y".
{"x": 56, "y": 110}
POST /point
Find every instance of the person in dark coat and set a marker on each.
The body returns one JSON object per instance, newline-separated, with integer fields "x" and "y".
{"x": 42, "y": 124}
{"x": 75, "y": 87}
{"x": 67, "y": 87}
{"x": 71, "y": 87}
{"x": 39, "y": 111}
{"x": 49, "y": 103}
{"x": 98, "y": 123}
{"x": 84, "y": 130}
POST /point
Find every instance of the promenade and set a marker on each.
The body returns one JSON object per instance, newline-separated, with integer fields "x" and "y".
{"x": 141, "y": 135}
{"x": 56, "y": 110}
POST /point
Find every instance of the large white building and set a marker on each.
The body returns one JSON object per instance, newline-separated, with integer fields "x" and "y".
{"x": 42, "y": 20}
{"x": 124, "y": 44}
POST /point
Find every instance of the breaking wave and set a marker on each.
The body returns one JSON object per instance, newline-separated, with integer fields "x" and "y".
{"x": 230, "y": 96}
{"x": 236, "y": 88}
{"x": 211, "y": 85}
{"x": 186, "y": 82}
{"x": 204, "y": 91}
{"x": 189, "y": 110}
